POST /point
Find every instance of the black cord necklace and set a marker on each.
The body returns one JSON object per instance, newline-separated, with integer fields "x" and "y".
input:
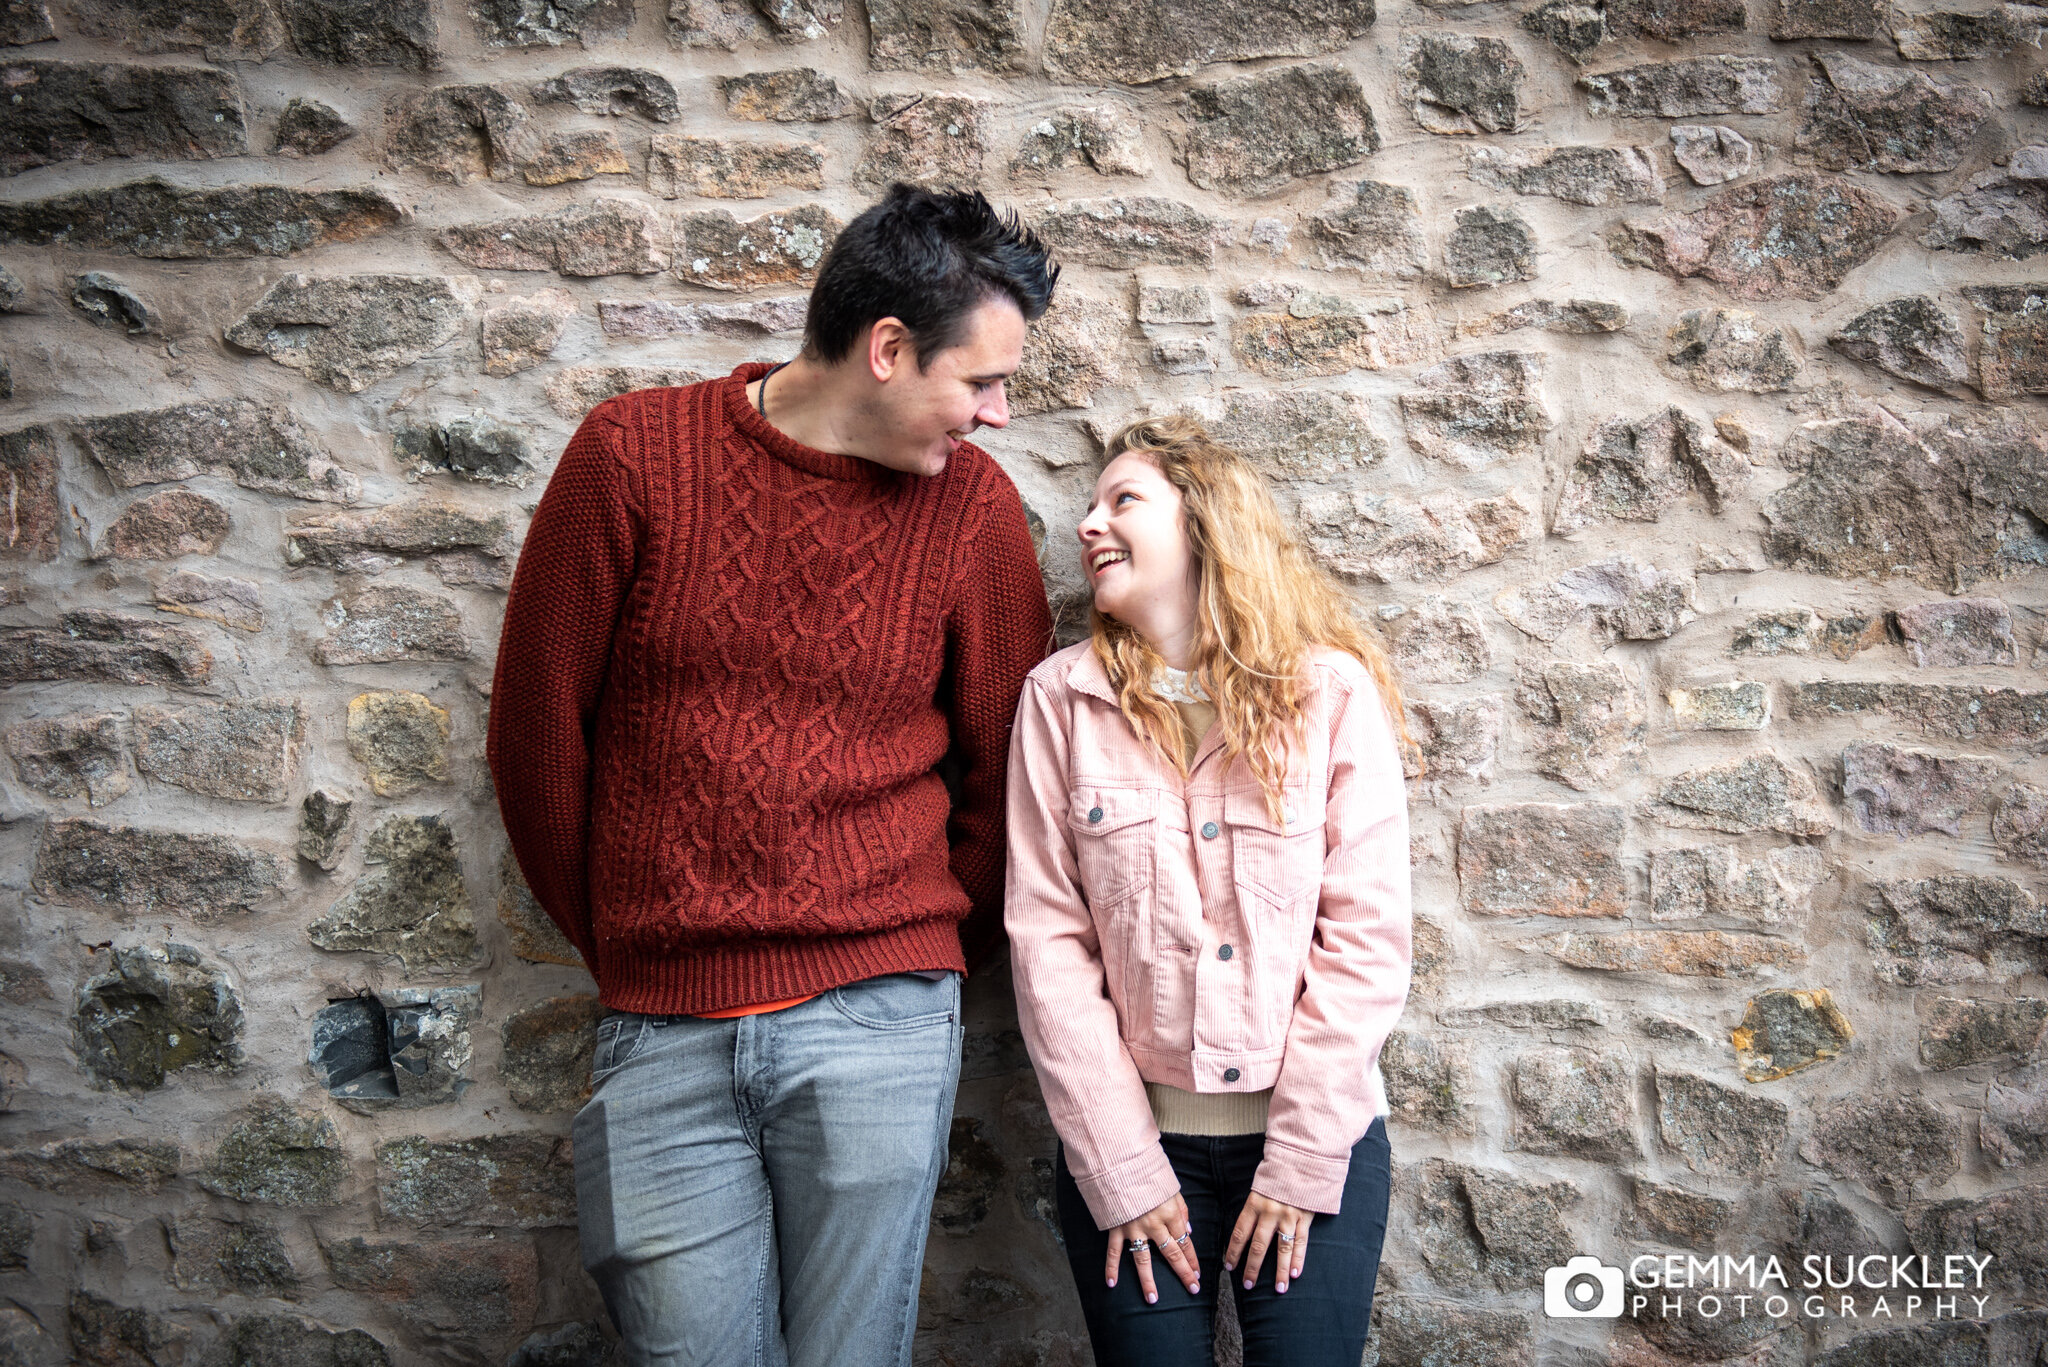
{"x": 761, "y": 393}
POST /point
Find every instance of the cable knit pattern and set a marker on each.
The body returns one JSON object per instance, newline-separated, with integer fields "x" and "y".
{"x": 730, "y": 667}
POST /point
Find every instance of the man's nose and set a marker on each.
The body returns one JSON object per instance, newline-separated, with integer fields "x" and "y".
{"x": 995, "y": 412}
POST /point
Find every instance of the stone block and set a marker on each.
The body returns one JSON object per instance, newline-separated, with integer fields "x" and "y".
{"x": 1985, "y": 716}
{"x": 1863, "y": 117}
{"x": 1758, "y": 793}
{"x": 236, "y": 603}
{"x": 1413, "y": 1330}
{"x": 1892, "y": 790}
{"x": 1459, "y": 83}
{"x": 794, "y": 95}
{"x": 1592, "y": 176}
{"x": 2013, "y": 1127}
{"x": 1438, "y": 642}
{"x": 1890, "y": 1145}
{"x": 237, "y": 750}
{"x": 518, "y": 1181}
{"x": 483, "y": 1292}
{"x": 972, "y": 1176}
{"x": 1680, "y": 953}
{"x": 1687, "y": 88}
{"x": 1154, "y": 39}
{"x": 378, "y": 623}
{"x": 153, "y": 218}
{"x": 28, "y": 483}
{"x": 1724, "y": 350}
{"x": 1327, "y": 334}
{"x": 1387, "y": 539}
{"x": 309, "y": 128}
{"x": 1955, "y": 928}
{"x": 348, "y": 332}
{"x": 1542, "y": 859}
{"x": 928, "y": 35}
{"x": 1792, "y": 236}
{"x": 1552, "y": 1013}
{"x": 165, "y": 526}
{"x": 534, "y": 937}
{"x": 1372, "y": 226}
{"x": 279, "y": 1157}
{"x": 1622, "y": 599}
{"x": 1490, "y": 245}
{"x": 2019, "y": 826}
{"x": 1913, "y": 337}
{"x": 355, "y": 33}
{"x": 243, "y": 1256}
{"x": 1689, "y": 1217}
{"x": 1957, "y": 632}
{"x": 374, "y": 540}
{"x": 1786, "y": 1030}
{"x": 701, "y": 25}
{"x": 458, "y": 133}
{"x": 81, "y": 755}
{"x": 1854, "y": 20}
{"x": 286, "y": 1341}
{"x": 257, "y": 445}
{"x": 1070, "y": 353}
{"x": 1712, "y": 154}
{"x": 1958, "y": 1031}
{"x": 925, "y": 139}
{"x": 719, "y": 252}
{"x": 1259, "y": 134}
{"x": 1574, "y": 1102}
{"x": 1718, "y": 1130}
{"x": 2006, "y": 1225}
{"x": 1108, "y": 139}
{"x": 1454, "y": 740}
{"x": 592, "y": 238}
{"x": 1739, "y": 705}
{"x": 617, "y": 91}
{"x": 411, "y": 902}
{"x": 1573, "y": 318}
{"x": 2001, "y": 212}
{"x": 89, "y": 111}
{"x": 1478, "y": 410}
{"x": 513, "y": 23}
{"x": 138, "y": 870}
{"x": 105, "y": 302}
{"x": 584, "y": 154}
{"x": 1952, "y": 35}
{"x": 1120, "y": 234}
{"x": 1714, "y": 880}
{"x": 1586, "y": 721}
{"x": 1477, "y": 1228}
{"x": 153, "y": 1011}
{"x": 547, "y": 1053}
{"x": 103, "y": 1332}
{"x": 680, "y": 166}
{"x": 1429, "y": 1084}
{"x": 478, "y": 448}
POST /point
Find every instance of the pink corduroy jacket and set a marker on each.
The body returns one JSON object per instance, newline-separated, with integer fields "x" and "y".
{"x": 1169, "y": 930}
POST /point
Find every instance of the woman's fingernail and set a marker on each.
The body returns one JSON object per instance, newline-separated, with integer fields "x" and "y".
{"x": 1282, "y": 1288}
{"x": 1112, "y": 1281}
{"x": 1247, "y": 1283}
{"x": 1230, "y": 1267}
{"x": 1151, "y": 1297}
{"x": 1195, "y": 1290}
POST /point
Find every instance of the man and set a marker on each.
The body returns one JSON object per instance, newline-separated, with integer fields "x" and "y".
{"x": 751, "y": 619}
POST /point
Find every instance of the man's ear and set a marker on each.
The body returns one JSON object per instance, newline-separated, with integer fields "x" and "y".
{"x": 889, "y": 348}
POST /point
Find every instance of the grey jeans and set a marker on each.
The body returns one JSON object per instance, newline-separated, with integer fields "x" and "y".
{"x": 756, "y": 1192}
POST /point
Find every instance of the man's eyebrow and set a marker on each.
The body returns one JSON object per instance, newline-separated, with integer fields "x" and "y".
{"x": 992, "y": 376}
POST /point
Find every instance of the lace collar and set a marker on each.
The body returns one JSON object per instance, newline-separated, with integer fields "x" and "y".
{"x": 1178, "y": 685}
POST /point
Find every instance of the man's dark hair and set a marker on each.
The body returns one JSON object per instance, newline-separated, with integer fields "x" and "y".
{"x": 928, "y": 258}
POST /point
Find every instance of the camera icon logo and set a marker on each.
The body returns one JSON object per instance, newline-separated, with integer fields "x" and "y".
{"x": 1584, "y": 1288}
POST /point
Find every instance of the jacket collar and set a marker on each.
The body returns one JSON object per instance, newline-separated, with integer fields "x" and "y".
{"x": 1088, "y": 676}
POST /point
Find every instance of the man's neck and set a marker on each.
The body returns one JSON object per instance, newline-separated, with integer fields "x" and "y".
{"x": 812, "y": 405}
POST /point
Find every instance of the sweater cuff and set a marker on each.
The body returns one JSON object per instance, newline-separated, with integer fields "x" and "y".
{"x": 1129, "y": 1189}
{"x": 1310, "y": 1181}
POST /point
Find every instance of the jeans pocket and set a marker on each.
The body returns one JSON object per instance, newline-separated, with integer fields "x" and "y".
{"x": 899, "y": 1001}
{"x": 619, "y": 1037}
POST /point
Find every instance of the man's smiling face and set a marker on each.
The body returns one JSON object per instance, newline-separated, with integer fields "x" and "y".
{"x": 928, "y": 412}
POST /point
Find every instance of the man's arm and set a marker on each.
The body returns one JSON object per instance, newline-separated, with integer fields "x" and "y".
{"x": 998, "y": 629}
{"x": 574, "y": 571}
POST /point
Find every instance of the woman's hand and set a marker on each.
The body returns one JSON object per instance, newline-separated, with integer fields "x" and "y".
{"x": 1266, "y": 1222}
{"x": 1162, "y": 1231}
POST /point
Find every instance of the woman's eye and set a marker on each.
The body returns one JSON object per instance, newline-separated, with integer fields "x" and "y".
{"x": 1121, "y": 497}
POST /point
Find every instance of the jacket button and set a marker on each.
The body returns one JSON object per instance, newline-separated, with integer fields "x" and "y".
{"x": 1225, "y": 952}
{"x": 1209, "y": 830}
{"x": 1231, "y": 1075}
{"x": 1094, "y": 814}
{"x": 1287, "y": 815}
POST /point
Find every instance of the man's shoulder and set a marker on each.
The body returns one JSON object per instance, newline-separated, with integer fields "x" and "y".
{"x": 657, "y": 403}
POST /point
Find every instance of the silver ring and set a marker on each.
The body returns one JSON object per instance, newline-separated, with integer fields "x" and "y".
{"x": 1182, "y": 1239}
{"x": 1287, "y": 1238}
{"x": 1141, "y": 1246}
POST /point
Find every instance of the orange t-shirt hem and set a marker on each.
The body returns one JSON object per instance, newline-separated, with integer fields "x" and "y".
{"x": 757, "y": 1009}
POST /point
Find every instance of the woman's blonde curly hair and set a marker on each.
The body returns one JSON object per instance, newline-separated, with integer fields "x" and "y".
{"x": 1261, "y": 603}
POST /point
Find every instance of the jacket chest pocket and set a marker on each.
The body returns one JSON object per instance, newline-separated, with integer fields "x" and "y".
{"x": 1279, "y": 861}
{"x": 1116, "y": 837}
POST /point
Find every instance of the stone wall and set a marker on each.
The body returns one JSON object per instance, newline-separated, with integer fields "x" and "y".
{"x": 1662, "y": 373}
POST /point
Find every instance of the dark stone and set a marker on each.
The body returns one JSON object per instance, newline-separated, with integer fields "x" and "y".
{"x": 104, "y": 1334}
{"x": 1952, "y": 36}
{"x": 1122, "y": 233}
{"x": 88, "y": 111}
{"x": 1757, "y": 793}
{"x": 1372, "y": 226}
{"x": 1542, "y": 859}
{"x": 282, "y": 1341}
{"x": 1259, "y": 134}
{"x": 1946, "y": 500}
{"x": 352, "y": 1050}
{"x": 1855, "y": 20}
{"x": 401, "y": 738}
{"x": 258, "y": 446}
{"x": 1987, "y": 716}
{"x": 1672, "y": 20}
{"x": 425, "y": 1053}
{"x": 26, "y": 21}
{"x": 933, "y": 140}
{"x": 1687, "y": 1216}
{"x": 1914, "y": 338}
{"x": 246, "y": 1256}
{"x": 1411, "y": 1330}
{"x": 1593, "y": 176}
{"x": 1889, "y": 1144}
{"x": 702, "y": 24}
{"x": 1457, "y": 83}
{"x": 2020, "y": 825}
{"x": 596, "y": 237}
{"x": 1785, "y": 1030}
{"x": 153, "y": 218}
{"x": 547, "y": 1054}
{"x": 680, "y": 166}
{"x": 518, "y": 333}
{"x": 75, "y": 756}
{"x": 533, "y": 936}
{"x": 2014, "y": 357}
{"x": 165, "y": 526}
{"x": 374, "y": 540}
{"x": 482, "y": 1293}
{"x": 1861, "y": 117}
{"x": 973, "y": 1175}
{"x": 28, "y": 483}
{"x": 396, "y": 33}
{"x": 613, "y": 90}
{"x": 1685, "y": 88}
{"x": 1491, "y": 245}
{"x": 2001, "y": 212}
{"x": 1632, "y": 469}
{"x": 1959, "y": 1031}
{"x": 17, "y": 1238}
{"x": 572, "y": 1345}
{"x": 719, "y": 252}
{"x": 519, "y": 1181}
{"x": 378, "y": 623}
{"x": 2013, "y": 1129}
{"x": 234, "y": 603}
{"x": 1577, "y": 27}
{"x": 1718, "y": 1130}
{"x": 236, "y": 750}
{"x": 796, "y": 95}
{"x": 1154, "y": 39}
{"x": 1106, "y": 138}
{"x": 1793, "y": 236}
{"x": 348, "y": 332}
{"x": 523, "y": 23}
{"x": 108, "y": 303}
{"x": 1893, "y": 790}
{"x": 2005, "y": 1225}
{"x": 410, "y": 902}
{"x": 936, "y": 35}
{"x": 1727, "y": 350}
{"x": 1428, "y": 1084}
{"x": 1586, "y": 721}
{"x": 1954, "y": 928}
{"x": 478, "y": 448}
{"x": 1574, "y": 1102}
{"x": 279, "y": 1157}
{"x": 308, "y": 128}
{"x": 152, "y": 1012}
{"x": 129, "y": 1167}
{"x": 226, "y": 31}
{"x": 204, "y": 877}
{"x": 458, "y": 133}
{"x": 1477, "y": 1228}
{"x": 581, "y": 154}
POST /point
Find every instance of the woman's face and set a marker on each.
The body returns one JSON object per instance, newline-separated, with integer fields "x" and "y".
{"x": 1134, "y": 546}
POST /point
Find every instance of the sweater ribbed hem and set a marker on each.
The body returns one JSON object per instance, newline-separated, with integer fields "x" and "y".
{"x": 754, "y": 971}
{"x": 1177, "y": 1111}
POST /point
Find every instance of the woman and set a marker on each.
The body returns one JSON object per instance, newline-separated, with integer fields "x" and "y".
{"x": 1208, "y": 917}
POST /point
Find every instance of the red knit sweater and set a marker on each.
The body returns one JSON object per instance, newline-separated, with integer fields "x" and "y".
{"x": 730, "y": 666}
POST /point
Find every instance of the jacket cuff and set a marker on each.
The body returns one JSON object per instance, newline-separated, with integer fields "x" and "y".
{"x": 1129, "y": 1189}
{"x": 1311, "y": 1181}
